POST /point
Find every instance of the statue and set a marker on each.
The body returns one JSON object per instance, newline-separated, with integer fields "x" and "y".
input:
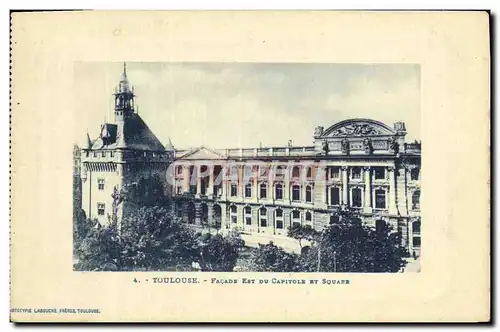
{"x": 326, "y": 148}
{"x": 318, "y": 131}
{"x": 345, "y": 146}
{"x": 393, "y": 145}
{"x": 367, "y": 145}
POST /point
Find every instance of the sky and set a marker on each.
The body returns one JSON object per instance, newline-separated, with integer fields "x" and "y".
{"x": 232, "y": 105}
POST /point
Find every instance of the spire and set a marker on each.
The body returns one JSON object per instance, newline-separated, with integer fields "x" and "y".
{"x": 169, "y": 146}
{"x": 124, "y": 74}
{"x": 89, "y": 141}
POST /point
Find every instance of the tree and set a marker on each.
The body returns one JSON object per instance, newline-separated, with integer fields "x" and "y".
{"x": 148, "y": 191}
{"x": 151, "y": 240}
{"x": 99, "y": 250}
{"x": 218, "y": 253}
{"x": 300, "y": 233}
{"x": 349, "y": 246}
{"x": 271, "y": 258}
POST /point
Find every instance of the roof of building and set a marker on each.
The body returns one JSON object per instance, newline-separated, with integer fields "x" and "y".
{"x": 132, "y": 134}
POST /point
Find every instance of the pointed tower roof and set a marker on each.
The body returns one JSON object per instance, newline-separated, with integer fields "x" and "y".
{"x": 89, "y": 141}
{"x": 169, "y": 145}
{"x": 124, "y": 86}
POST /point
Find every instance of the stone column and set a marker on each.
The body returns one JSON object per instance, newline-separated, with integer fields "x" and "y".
{"x": 392, "y": 191}
{"x": 185, "y": 171}
{"x": 345, "y": 187}
{"x": 210, "y": 189}
{"x": 368, "y": 190}
{"x": 198, "y": 180}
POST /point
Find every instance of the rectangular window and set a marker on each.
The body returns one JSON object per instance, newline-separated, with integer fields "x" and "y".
{"x": 308, "y": 194}
{"x": 233, "y": 219}
{"x": 356, "y": 197}
{"x": 335, "y": 172}
{"x": 100, "y": 184}
{"x": 100, "y": 209}
{"x": 103, "y": 154}
{"x": 379, "y": 173}
{"x": 279, "y": 223}
{"x": 356, "y": 173}
{"x": 416, "y": 241}
{"x": 295, "y": 193}
{"x": 179, "y": 190}
{"x": 95, "y": 153}
{"x": 216, "y": 189}
{"x": 334, "y": 196}
{"x": 263, "y": 217}
{"x": 248, "y": 190}
{"x": 279, "y": 191}
{"x": 263, "y": 190}
{"x": 380, "y": 199}
{"x": 112, "y": 154}
{"x": 234, "y": 189}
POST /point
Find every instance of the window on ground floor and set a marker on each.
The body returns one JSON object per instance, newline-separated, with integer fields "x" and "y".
{"x": 234, "y": 214}
{"x": 101, "y": 209}
{"x": 295, "y": 217}
{"x": 334, "y": 196}
{"x": 263, "y": 217}
{"x": 416, "y": 227}
{"x": 308, "y": 216}
{"x": 248, "y": 215}
{"x": 356, "y": 197}
{"x": 416, "y": 241}
{"x": 380, "y": 199}
{"x": 279, "y": 219}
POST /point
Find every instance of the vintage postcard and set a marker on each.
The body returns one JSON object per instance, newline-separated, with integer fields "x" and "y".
{"x": 250, "y": 167}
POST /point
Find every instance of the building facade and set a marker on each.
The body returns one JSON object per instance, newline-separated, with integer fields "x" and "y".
{"x": 360, "y": 163}
{"x": 124, "y": 152}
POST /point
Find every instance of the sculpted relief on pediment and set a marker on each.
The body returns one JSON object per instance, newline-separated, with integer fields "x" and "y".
{"x": 356, "y": 129}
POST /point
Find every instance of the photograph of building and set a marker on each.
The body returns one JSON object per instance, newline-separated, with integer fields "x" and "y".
{"x": 360, "y": 164}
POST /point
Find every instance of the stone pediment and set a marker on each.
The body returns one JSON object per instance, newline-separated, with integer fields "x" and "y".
{"x": 202, "y": 153}
{"x": 357, "y": 128}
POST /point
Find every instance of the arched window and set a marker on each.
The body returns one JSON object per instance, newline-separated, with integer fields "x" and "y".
{"x": 248, "y": 215}
{"x": 309, "y": 172}
{"x": 296, "y": 192}
{"x": 179, "y": 170}
{"x": 356, "y": 197}
{"x": 248, "y": 190}
{"x": 279, "y": 191}
{"x": 295, "y": 217}
{"x": 308, "y": 216}
{"x": 308, "y": 194}
{"x": 415, "y": 200}
{"x": 263, "y": 190}
{"x": 263, "y": 217}
{"x": 279, "y": 219}
{"x": 296, "y": 172}
{"x": 380, "y": 199}
{"x": 234, "y": 214}
{"x": 379, "y": 225}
